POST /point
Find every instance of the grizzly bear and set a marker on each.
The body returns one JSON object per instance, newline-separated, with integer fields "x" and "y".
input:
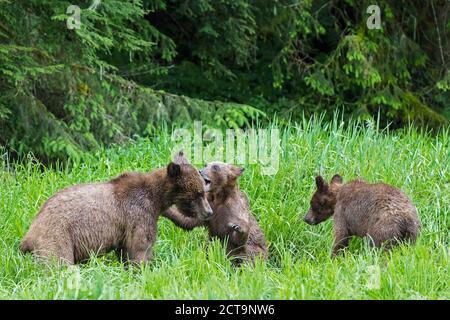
{"x": 378, "y": 211}
{"x": 232, "y": 221}
{"x": 119, "y": 215}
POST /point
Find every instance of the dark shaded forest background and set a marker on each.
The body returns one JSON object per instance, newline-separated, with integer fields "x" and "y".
{"x": 134, "y": 66}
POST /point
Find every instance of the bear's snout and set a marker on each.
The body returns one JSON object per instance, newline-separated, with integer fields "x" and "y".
{"x": 209, "y": 213}
{"x": 206, "y": 211}
{"x": 309, "y": 219}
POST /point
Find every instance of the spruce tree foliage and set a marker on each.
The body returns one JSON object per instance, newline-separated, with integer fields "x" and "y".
{"x": 295, "y": 56}
{"x": 135, "y": 65}
{"x": 63, "y": 91}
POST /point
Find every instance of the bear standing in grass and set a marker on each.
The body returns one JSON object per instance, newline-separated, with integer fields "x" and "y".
{"x": 117, "y": 215}
{"x": 232, "y": 218}
{"x": 377, "y": 211}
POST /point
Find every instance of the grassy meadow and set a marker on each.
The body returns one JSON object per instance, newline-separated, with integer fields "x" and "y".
{"x": 185, "y": 267}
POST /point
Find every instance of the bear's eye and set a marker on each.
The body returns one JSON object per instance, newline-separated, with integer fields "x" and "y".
{"x": 322, "y": 202}
{"x": 315, "y": 206}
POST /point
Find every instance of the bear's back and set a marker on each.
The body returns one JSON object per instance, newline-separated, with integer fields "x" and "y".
{"x": 79, "y": 200}
{"x": 363, "y": 204}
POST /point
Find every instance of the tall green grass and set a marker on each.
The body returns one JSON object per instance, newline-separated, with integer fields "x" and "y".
{"x": 185, "y": 266}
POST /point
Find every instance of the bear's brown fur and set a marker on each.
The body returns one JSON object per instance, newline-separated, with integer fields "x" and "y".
{"x": 232, "y": 218}
{"x": 378, "y": 211}
{"x": 117, "y": 215}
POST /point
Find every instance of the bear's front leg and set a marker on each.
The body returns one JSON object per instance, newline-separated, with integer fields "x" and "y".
{"x": 184, "y": 222}
{"x": 139, "y": 244}
{"x": 238, "y": 233}
{"x": 237, "y": 242}
{"x": 341, "y": 238}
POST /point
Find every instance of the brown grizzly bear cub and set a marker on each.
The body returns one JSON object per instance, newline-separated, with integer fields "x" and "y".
{"x": 231, "y": 219}
{"x": 117, "y": 215}
{"x": 377, "y": 211}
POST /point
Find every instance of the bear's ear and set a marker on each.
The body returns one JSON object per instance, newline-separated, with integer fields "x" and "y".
{"x": 337, "y": 179}
{"x": 321, "y": 184}
{"x": 179, "y": 158}
{"x": 236, "y": 171}
{"x": 173, "y": 170}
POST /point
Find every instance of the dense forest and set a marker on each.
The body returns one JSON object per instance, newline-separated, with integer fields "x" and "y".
{"x": 77, "y": 77}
